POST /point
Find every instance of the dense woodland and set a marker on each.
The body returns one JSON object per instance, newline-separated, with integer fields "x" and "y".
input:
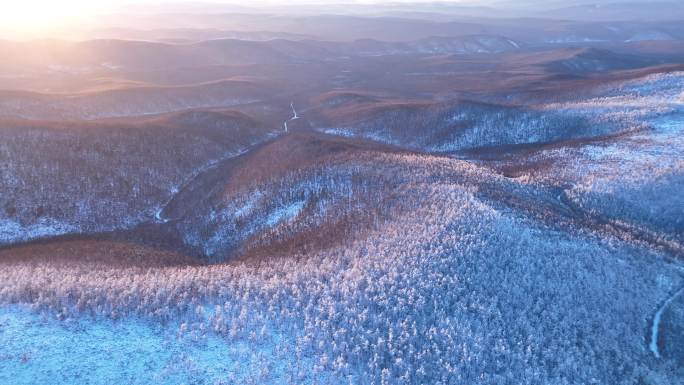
{"x": 363, "y": 238}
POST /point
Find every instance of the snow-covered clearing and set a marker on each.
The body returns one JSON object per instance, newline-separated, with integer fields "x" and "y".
{"x": 284, "y": 213}
{"x": 11, "y": 231}
{"x": 38, "y": 349}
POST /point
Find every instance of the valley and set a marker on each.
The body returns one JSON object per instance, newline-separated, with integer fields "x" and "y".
{"x": 437, "y": 199}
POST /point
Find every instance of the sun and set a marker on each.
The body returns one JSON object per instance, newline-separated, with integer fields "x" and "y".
{"x": 24, "y": 18}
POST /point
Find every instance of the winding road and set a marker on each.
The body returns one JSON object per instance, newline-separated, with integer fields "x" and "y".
{"x": 160, "y": 216}
{"x": 294, "y": 116}
{"x": 565, "y": 209}
{"x": 202, "y": 180}
{"x": 655, "y": 326}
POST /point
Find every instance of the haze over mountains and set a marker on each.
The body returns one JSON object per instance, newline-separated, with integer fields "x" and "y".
{"x": 382, "y": 193}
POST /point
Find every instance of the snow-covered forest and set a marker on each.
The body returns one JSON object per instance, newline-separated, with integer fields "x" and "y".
{"x": 399, "y": 195}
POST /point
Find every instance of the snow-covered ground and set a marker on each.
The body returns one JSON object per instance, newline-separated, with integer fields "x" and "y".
{"x": 449, "y": 291}
{"x": 11, "y": 231}
{"x": 38, "y": 349}
{"x": 284, "y": 213}
{"x": 450, "y": 286}
{"x": 634, "y": 180}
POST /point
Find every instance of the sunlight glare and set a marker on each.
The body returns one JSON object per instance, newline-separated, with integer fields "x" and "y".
{"x": 32, "y": 17}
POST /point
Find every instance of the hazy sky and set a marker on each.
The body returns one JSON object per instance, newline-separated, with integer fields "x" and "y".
{"x": 40, "y": 18}
{"x": 36, "y": 16}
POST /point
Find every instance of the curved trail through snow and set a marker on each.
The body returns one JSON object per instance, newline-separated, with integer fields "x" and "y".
{"x": 655, "y": 326}
{"x": 294, "y": 116}
{"x": 159, "y": 216}
{"x": 196, "y": 177}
